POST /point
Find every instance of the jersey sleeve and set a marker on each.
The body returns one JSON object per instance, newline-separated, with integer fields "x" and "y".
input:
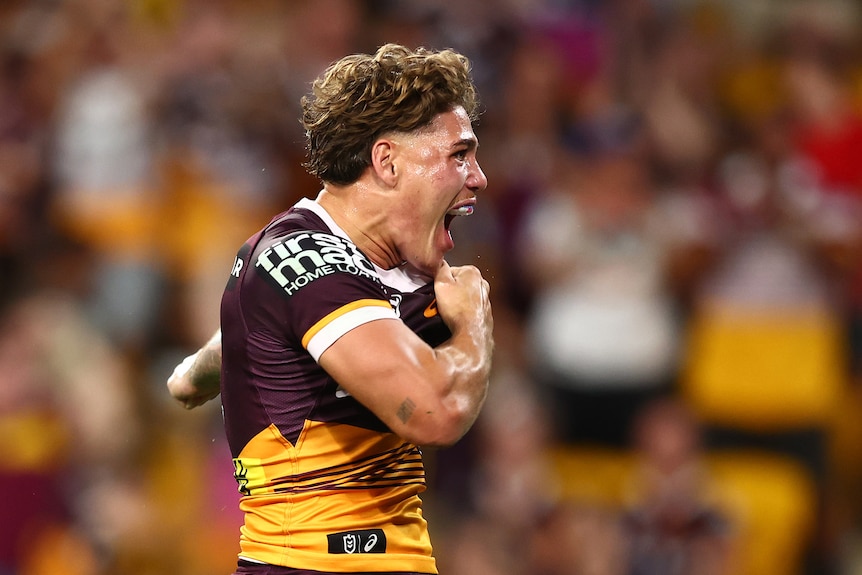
{"x": 323, "y": 287}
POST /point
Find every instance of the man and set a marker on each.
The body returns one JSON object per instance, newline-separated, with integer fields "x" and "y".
{"x": 346, "y": 339}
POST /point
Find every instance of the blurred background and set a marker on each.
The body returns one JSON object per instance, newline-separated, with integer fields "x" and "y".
{"x": 672, "y": 231}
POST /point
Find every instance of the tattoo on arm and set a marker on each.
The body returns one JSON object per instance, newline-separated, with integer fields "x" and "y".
{"x": 405, "y": 410}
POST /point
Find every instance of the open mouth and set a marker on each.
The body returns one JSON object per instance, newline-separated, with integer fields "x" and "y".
{"x": 461, "y": 211}
{"x": 464, "y": 210}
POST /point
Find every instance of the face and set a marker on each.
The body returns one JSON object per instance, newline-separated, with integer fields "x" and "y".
{"x": 437, "y": 173}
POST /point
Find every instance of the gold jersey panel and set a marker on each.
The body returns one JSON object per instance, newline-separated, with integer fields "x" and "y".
{"x": 336, "y": 509}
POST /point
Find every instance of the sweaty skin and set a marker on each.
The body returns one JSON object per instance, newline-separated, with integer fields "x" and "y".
{"x": 428, "y": 396}
{"x": 397, "y": 213}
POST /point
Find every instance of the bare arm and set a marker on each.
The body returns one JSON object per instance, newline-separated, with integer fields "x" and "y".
{"x": 196, "y": 380}
{"x": 429, "y": 396}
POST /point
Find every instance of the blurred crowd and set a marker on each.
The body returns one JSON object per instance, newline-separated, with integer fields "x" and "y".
{"x": 672, "y": 231}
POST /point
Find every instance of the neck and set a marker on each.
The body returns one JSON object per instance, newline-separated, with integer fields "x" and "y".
{"x": 360, "y": 214}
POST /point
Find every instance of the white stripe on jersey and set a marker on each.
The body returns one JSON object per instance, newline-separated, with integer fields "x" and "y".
{"x": 329, "y": 333}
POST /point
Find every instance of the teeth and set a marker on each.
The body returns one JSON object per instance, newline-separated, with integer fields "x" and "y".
{"x": 462, "y": 211}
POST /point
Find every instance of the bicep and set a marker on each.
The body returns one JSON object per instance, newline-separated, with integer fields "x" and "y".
{"x": 391, "y": 371}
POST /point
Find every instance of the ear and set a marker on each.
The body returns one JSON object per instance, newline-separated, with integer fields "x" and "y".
{"x": 383, "y": 154}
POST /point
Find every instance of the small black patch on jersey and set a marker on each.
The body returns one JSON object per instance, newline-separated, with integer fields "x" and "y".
{"x": 357, "y": 541}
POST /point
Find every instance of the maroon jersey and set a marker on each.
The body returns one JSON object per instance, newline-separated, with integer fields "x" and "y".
{"x": 326, "y": 485}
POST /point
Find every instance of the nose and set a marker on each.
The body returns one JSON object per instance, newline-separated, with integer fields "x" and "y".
{"x": 476, "y": 179}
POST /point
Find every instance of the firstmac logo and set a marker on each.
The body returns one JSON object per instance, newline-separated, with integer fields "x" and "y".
{"x": 301, "y": 258}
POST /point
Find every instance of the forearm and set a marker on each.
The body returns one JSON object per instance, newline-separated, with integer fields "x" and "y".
{"x": 197, "y": 379}
{"x": 460, "y": 368}
{"x": 466, "y": 359}
{"x": 206, "y": 368}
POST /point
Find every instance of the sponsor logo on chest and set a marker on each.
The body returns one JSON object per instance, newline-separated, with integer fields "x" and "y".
{"x": 302, "y": 258}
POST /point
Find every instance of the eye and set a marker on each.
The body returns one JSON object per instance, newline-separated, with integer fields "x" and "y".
{"x": 461, "y": 155}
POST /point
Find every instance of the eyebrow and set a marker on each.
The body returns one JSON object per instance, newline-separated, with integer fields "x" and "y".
{"x": 470, "y": 143}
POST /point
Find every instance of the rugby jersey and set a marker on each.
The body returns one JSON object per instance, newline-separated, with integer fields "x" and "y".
{"x": 326, "y": 485}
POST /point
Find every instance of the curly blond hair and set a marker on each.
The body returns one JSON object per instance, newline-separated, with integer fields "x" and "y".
{"x": 360, "y": 97}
